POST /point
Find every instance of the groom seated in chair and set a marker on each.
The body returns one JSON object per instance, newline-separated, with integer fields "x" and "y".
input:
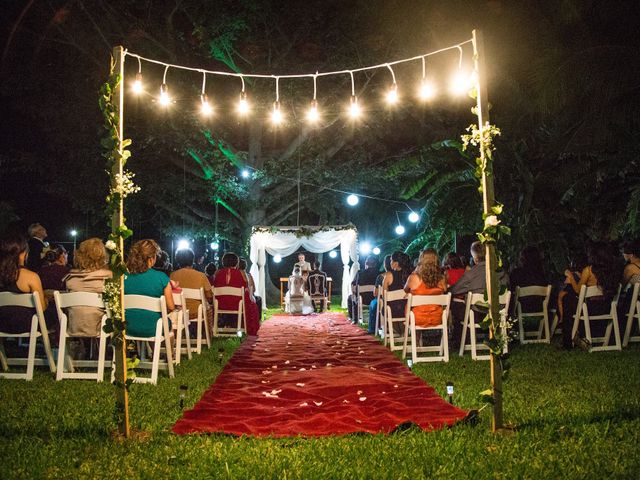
{"x": 316, "y": 285}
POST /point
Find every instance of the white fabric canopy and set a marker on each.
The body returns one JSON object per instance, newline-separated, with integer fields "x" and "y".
{"x": 284, "y": 242}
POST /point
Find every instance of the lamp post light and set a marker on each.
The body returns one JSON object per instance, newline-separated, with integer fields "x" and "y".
{"x": 450, "y": 392}
{"x": 183, "y": 395}
{"x": 74, "y": 234}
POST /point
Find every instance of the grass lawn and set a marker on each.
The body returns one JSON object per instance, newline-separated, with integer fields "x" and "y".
{"x": 577, "y": 416}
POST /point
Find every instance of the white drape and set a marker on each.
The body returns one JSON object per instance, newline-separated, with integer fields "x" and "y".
{"x": 285, "y": 243}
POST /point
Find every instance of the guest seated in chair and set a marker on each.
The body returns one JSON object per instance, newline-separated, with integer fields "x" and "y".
{"x": 54, "y": 268}
{"x": 88, "y": 275}
{"x": 317, "y": 287}
{"x": 230, "y": 276}
{"x": 188, "y": 277}
{"x": 242, "y": 266}
{"x": 15, "y": 278}
{"x": 365, "y": 277}
{"x": 530, "y": 273}
{"x": 427, "y": 279}
{"x": 142, "y": 279}
{"x": 453, "y": 268}
{"x": 631, "y": 254}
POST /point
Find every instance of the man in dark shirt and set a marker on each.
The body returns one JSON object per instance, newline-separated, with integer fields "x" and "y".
{"x": 37, "y": 234}
{"x": 365, "y": 277}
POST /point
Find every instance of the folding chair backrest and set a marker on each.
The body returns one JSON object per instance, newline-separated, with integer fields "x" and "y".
{"x": 142, "y": 302}
{"x": 366, "y": 289}
{"x": 475, "y": 298}
{"x": 418, "y": 300}
{"x": 78, "y": 299}
{"x": 194, "y": 293}
{"x": 635, "y": 295}
{"x": 28, "y": 300}
{"x": 317, "y": 285}
{"x": 393, "y": 295}
{"x": 178, "y": 299}
{"x": 533, "y": 291}
{"x": 229, "y": 292}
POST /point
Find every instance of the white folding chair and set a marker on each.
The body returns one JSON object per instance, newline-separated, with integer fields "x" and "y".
{"x": 471, "y": 325}
{"x": 238, "y": 293}
{"x": 541, "y": 334}
{"x": 634, "y": 314}
{"x": 443, "y": 348}
{"x": 162, "y": 335}
{"x": 318, "y": 289}
{"x": 395, "y": 341}
{"x": 200, "y": 319}
{"x": 582, "y": 315}
{"x": 361, "y": 306}
{"x": 63, "y": 302}
{"x": 180, "y": 324}
{"x": 38, "y": 330}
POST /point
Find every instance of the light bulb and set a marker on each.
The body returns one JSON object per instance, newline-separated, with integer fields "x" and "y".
{"x": 354, "y": 108}
{"x": 136, "y": 87}
{"x": 277, "y": 258}
{"x": 214, "y": 245}
{"x": 313, "y": 115}
{"x": 460, "y": 83}
{"x": 400, "y": 230}
{"x": 392, "y": 94}
{"x": 414, "y": 217}
{"x": 243, "y": 104}
{"x": 365, "y": 248}
{"x": 353, "y": 200}
{"x": 427, "y": 91}
{"x": 333, "y": 254}
{"x": 164, "y": 95}
{"x": 183, "y": 244}
{"x": 245, "y": 173}
{"x": 205, "y": 106}
{"x": 376, "y": 250}
{"x": 73, "y": 233}
{"x": 276, "y": 114}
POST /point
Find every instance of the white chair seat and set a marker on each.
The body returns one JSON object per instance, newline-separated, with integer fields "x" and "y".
{"x": 392, "y": 339}
{"x": 442, "y": 349}
{"x": 238, "y": 311}
{"x": 541, "y": 334}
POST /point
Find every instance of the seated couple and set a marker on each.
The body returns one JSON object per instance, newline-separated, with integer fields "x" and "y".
{"x": 302, "y": 288}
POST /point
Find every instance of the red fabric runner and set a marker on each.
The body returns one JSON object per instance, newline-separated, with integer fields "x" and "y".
{"x": 312, "y": 376}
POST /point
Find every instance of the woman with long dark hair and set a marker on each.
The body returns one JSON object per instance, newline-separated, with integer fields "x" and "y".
{"x": 15, "y": 278}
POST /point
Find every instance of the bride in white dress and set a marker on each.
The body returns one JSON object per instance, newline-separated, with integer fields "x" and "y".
{"x": 297, "y": 299}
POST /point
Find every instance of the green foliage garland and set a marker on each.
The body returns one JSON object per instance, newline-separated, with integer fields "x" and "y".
{"x": 121, "y": 185}
{"x": 493, "y": 232}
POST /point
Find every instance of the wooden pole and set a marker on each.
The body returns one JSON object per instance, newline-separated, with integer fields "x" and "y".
{"x": 117, "y": 220}
{"x": 493, "y": 287}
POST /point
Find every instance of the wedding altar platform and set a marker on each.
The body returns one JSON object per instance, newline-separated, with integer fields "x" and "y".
{"x": 315, "y": 375}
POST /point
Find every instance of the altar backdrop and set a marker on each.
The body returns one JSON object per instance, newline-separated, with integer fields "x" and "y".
{"x": 285, "y": 241}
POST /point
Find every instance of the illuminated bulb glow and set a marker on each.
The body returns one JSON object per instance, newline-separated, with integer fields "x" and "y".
{"x": 276, "y": 115}
{"x": 376, "y": 251}
{"x": 164, "y": 95}
{"x": 333, "y": 254}
{"x": 245, "y": 173}
{"x": 365, "y": 248}
{"x": 427, "y": 90}
{"x": 313, "y": 115}
{"x": 353, "y": 200}
{"x": 137, "y": 84}
{"x": 460, "y": 84}
{"x": 277, "y": 258}
{"x": 205, "y": 106}
{"x": 354, "y": 108}
{"x": 214, "y": 245}
{"x": 400, "y": 230}
{"x": 73, "y": 233}
{"x": 414, "y": 217}
{"x": 392, "y": 94}
{"x": 183, "y": 244}
{"x": 243, "y": 104}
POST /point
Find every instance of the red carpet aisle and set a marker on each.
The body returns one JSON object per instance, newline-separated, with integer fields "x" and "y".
{"x": 315, "y": 375}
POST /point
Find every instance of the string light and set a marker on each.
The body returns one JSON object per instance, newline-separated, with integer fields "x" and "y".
{"x": 414, "y": 217}
{"x": 214, "y": 245}
{"x": 365, "y": 248}
{"x": 333, "y": 254}
{"x": 313, "y": 115}
{"x": 183, "y": 244}
{"x": 245, "y": 173}
{"x": 392, "y": 94}
{"x": 376, "y": 250}
{"x": 354, "y": 108}
{"x": 460, "y": 82}
{"x": 277, "y": 259}
{"x": 243, "y": 104}
{"x": 427, "y": 91}
{"x": 137, "y": 83}
{"x": 353, "y": 200}
{"x": 205, "y": 107}
{"x": 399, "y": 228}
{"x": 276, "y": 114}
{"x": 164, "y": 100}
